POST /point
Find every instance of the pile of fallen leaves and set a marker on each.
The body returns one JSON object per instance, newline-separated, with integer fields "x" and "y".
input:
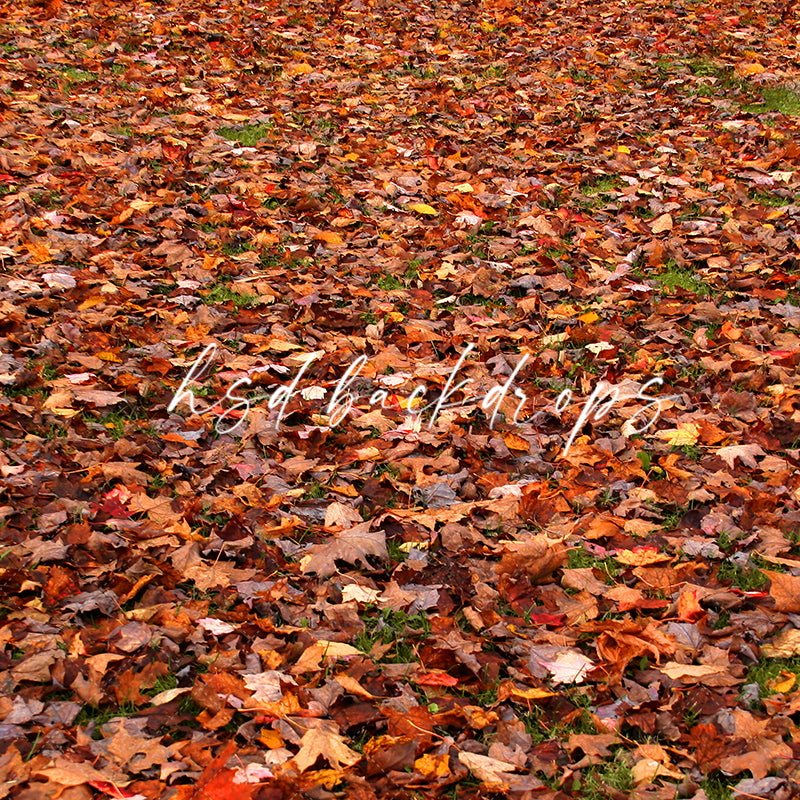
{"x": 238, "y": 562}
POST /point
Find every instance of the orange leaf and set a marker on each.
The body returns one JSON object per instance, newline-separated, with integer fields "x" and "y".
{"x": 331, "y": 237}
{"x": 689, "y": 608}
{"x": 514, "y": 442}
{"x": 640, "y": 556}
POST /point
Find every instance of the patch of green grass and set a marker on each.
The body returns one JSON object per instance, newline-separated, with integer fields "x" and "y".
{"x": 50, "y": 200}
{"x": 495, "y": 71}
{"x": 717, "y": 787}
{"x": 22, "y": 391}
{"x": 122, "y": 130}
{"x": 386, "y": 627}
{"x": 52, "y": 432}
{"x": 602, "y": 185}
{"x": 793, "y": 537}
{"x": 412, "y": 272}
{"x": 235, "y": 248}
{"x": 769, "y": 199}
{"x": 315, "y": 491}
{"x": 691, "y": 451}
{"x": 79, "y": 75}
{"x": 388, "y": 283}
{"x": 247, "y": 135}
{"x": 100, "y": 716}
{"x": 395, "y": 553}
{"x": 162, "y": 684}
{"x": 778, "y": 98}
{"x": 541, "y": 729}
{"x": 675, "y": 277}
{"x": 706, "y": 67}
{"x": 470, "y": 299}
{"x": 114, "y": 421}
{"x": 579, "y": 558}
{"x": 722, "y": 621}
{"x": 767, "y": 669}
{"x": 614, "y": 774}
{"x": 748, "y": 579}
{"x": 224, "y": 294}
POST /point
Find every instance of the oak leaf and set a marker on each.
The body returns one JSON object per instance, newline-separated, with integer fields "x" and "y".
{"x": 352, "y": 546}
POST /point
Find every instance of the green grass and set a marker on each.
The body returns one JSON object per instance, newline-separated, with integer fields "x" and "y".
{"x": 247, "y": 135}
{"x": 389, "y": 282}
{"x": 100, "y": 716}
{"x": 224, "y": 294}
{"x": 748, "y": 579}
{"x": 122, "y": 130}
{"x": 675, "y": 277}
{"x": 579, "y": 558}
{"x": 541, "y": 729}
{"x": 602, "y": 185}
{"x": 777, "y": 98}
{"x": 115, "y": 421}
{"x": 396, "y": 627}
{"x": 614, "y": 774}
{"x": 79, "y": 75}
{"x": 769, "y": 199}
{"x": 716, "y": 787}
{"x": 767, "y": 669}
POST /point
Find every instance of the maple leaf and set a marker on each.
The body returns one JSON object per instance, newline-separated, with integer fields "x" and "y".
{"x": 320, "y": 743}
{"x": 685, "y": 433}
{"x": 746, "y": 453}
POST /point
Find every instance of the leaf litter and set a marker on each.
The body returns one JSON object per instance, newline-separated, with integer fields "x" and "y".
{"x": 342, "y": 587}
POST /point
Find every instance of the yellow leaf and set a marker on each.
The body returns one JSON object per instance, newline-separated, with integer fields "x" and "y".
{"x": 271, "y": 739}
{"x": 783, "y": 683}
{"x": 424, "y": 208}
{"x": 562, "y": 310}
{"x": 227, "y": 63}
{"x": 623, "y": 149}
{"x": 589, "y": 317}
{"x": 531, "y": 694}
{"x": 107, "y": 355}
{"x": 351, "y": 157}
{"x": 685, "y": 433}
{"x": 331, "y": 237}
{"x": 90, "y": 302}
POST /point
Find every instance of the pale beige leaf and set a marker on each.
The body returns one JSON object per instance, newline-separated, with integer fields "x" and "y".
{"x": 318, "y": 742}
{"x": 491, "y": 771}
{"x": 690, "y": 672}
{"x": 662, "y": 223}
{"x": 746, "y": 453}
{"x": 785, "y": 645}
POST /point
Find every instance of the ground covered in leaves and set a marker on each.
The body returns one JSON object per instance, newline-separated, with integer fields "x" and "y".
{"x": 295, "y": 577}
